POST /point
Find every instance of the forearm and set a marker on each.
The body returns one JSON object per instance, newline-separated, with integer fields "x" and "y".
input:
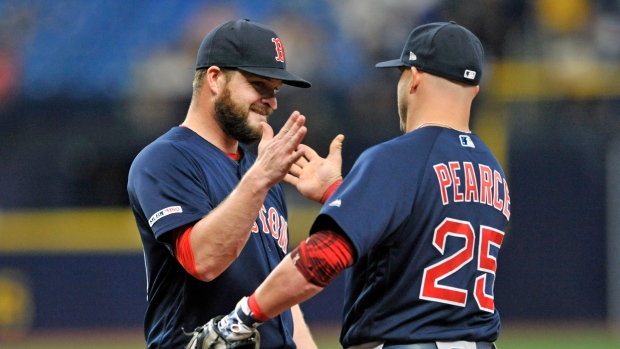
{"x": 299, "y": 276}
{"x": 284, "y": 288}
{"x": 218, "y": 238}
{"x": 304, "y": 272}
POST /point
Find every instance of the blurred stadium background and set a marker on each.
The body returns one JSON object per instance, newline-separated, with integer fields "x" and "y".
{"x": 84, "y": 85}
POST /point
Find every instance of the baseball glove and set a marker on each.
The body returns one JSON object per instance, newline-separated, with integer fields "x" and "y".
{"x": 209, "y": 336}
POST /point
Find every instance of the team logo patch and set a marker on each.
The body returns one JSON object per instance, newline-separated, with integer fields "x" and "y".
{"x": 466, "y": 141}
{"x": 470, "y": 74}
{"x": 163, "y": 213}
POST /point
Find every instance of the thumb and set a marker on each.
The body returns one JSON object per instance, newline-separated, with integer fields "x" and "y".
{"x": 266, "y": 136}
{"x": 335, "y": 148}
{"x": 267, "y": 132}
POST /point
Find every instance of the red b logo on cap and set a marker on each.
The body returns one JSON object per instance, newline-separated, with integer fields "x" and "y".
{"x": 279, "y": 49}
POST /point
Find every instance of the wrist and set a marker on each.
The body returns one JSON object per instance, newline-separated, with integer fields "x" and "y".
{"x": 257, "y": 312}
{"x": 249, "y": 313}
{"x": 330, "y": 190}
{"x": 255, "y": 181}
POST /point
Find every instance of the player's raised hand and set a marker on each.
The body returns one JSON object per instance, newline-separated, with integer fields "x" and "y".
{"x": 312, "y": 174}
{"x": 276, "y": 154}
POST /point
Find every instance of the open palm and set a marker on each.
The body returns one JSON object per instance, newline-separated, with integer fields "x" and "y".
{"x": 312, "y": 174}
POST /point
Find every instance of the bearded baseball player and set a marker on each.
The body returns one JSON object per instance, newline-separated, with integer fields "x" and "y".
{"x": 212, "y": 214}
{"x": 417, "y": 224}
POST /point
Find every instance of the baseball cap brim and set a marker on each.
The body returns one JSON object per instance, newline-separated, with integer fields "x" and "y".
{"x": 276, "y": 73}
{"x": 390, "y": 64}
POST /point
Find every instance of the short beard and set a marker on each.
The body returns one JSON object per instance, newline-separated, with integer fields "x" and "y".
{"x": 233, "y": 119}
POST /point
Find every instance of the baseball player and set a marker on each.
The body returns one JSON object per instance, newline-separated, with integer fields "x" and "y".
{"x": 417, "y": 224}
{"x": 211, "y": 214}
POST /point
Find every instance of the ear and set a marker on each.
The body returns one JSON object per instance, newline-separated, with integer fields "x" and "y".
{"x": 214, "y": 79}
{"x": 416, "y": 77}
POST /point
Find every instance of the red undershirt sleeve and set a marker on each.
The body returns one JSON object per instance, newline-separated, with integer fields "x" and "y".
{"x": 183, "y": 249}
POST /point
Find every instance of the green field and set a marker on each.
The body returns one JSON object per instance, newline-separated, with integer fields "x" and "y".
{"x": 531, "y": 337}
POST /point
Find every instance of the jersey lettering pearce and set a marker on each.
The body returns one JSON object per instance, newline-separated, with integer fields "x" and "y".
{"x": 465, "y": 186}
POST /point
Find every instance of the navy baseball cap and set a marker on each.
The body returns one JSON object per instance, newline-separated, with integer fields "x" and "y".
{"x": 247, "y": 46}
{"x": 445, "y": 49}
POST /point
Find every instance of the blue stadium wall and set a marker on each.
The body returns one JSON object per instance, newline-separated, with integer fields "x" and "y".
{"x": 84, "y": 270}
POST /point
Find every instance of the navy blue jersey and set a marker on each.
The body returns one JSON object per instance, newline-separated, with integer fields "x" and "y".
{"x": 176, "y": 180}
{"x": 426, "y": 214}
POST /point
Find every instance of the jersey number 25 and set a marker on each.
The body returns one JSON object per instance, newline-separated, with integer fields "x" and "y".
{"x": 431, "y": 289}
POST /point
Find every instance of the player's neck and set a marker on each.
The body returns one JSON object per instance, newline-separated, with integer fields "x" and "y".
{"x": 442, "y": 103}
{"x": 206, "y": 127}
{"x": 451, "y": 124}
{"x": 448, "y": 115}
{"x": 439, "y": 124}
{"x": 444, "y": 118}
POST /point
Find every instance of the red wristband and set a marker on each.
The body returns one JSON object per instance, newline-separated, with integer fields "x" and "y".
{"x": 257, "y": 313}
{"x": 330, "y": 190}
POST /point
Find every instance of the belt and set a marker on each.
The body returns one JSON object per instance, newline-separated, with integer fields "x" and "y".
{"x": 433, "y": 345}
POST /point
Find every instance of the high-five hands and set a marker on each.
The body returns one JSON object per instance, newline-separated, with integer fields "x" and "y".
{"x": 276, "y": 154}
{"x": 312, "y": 174}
